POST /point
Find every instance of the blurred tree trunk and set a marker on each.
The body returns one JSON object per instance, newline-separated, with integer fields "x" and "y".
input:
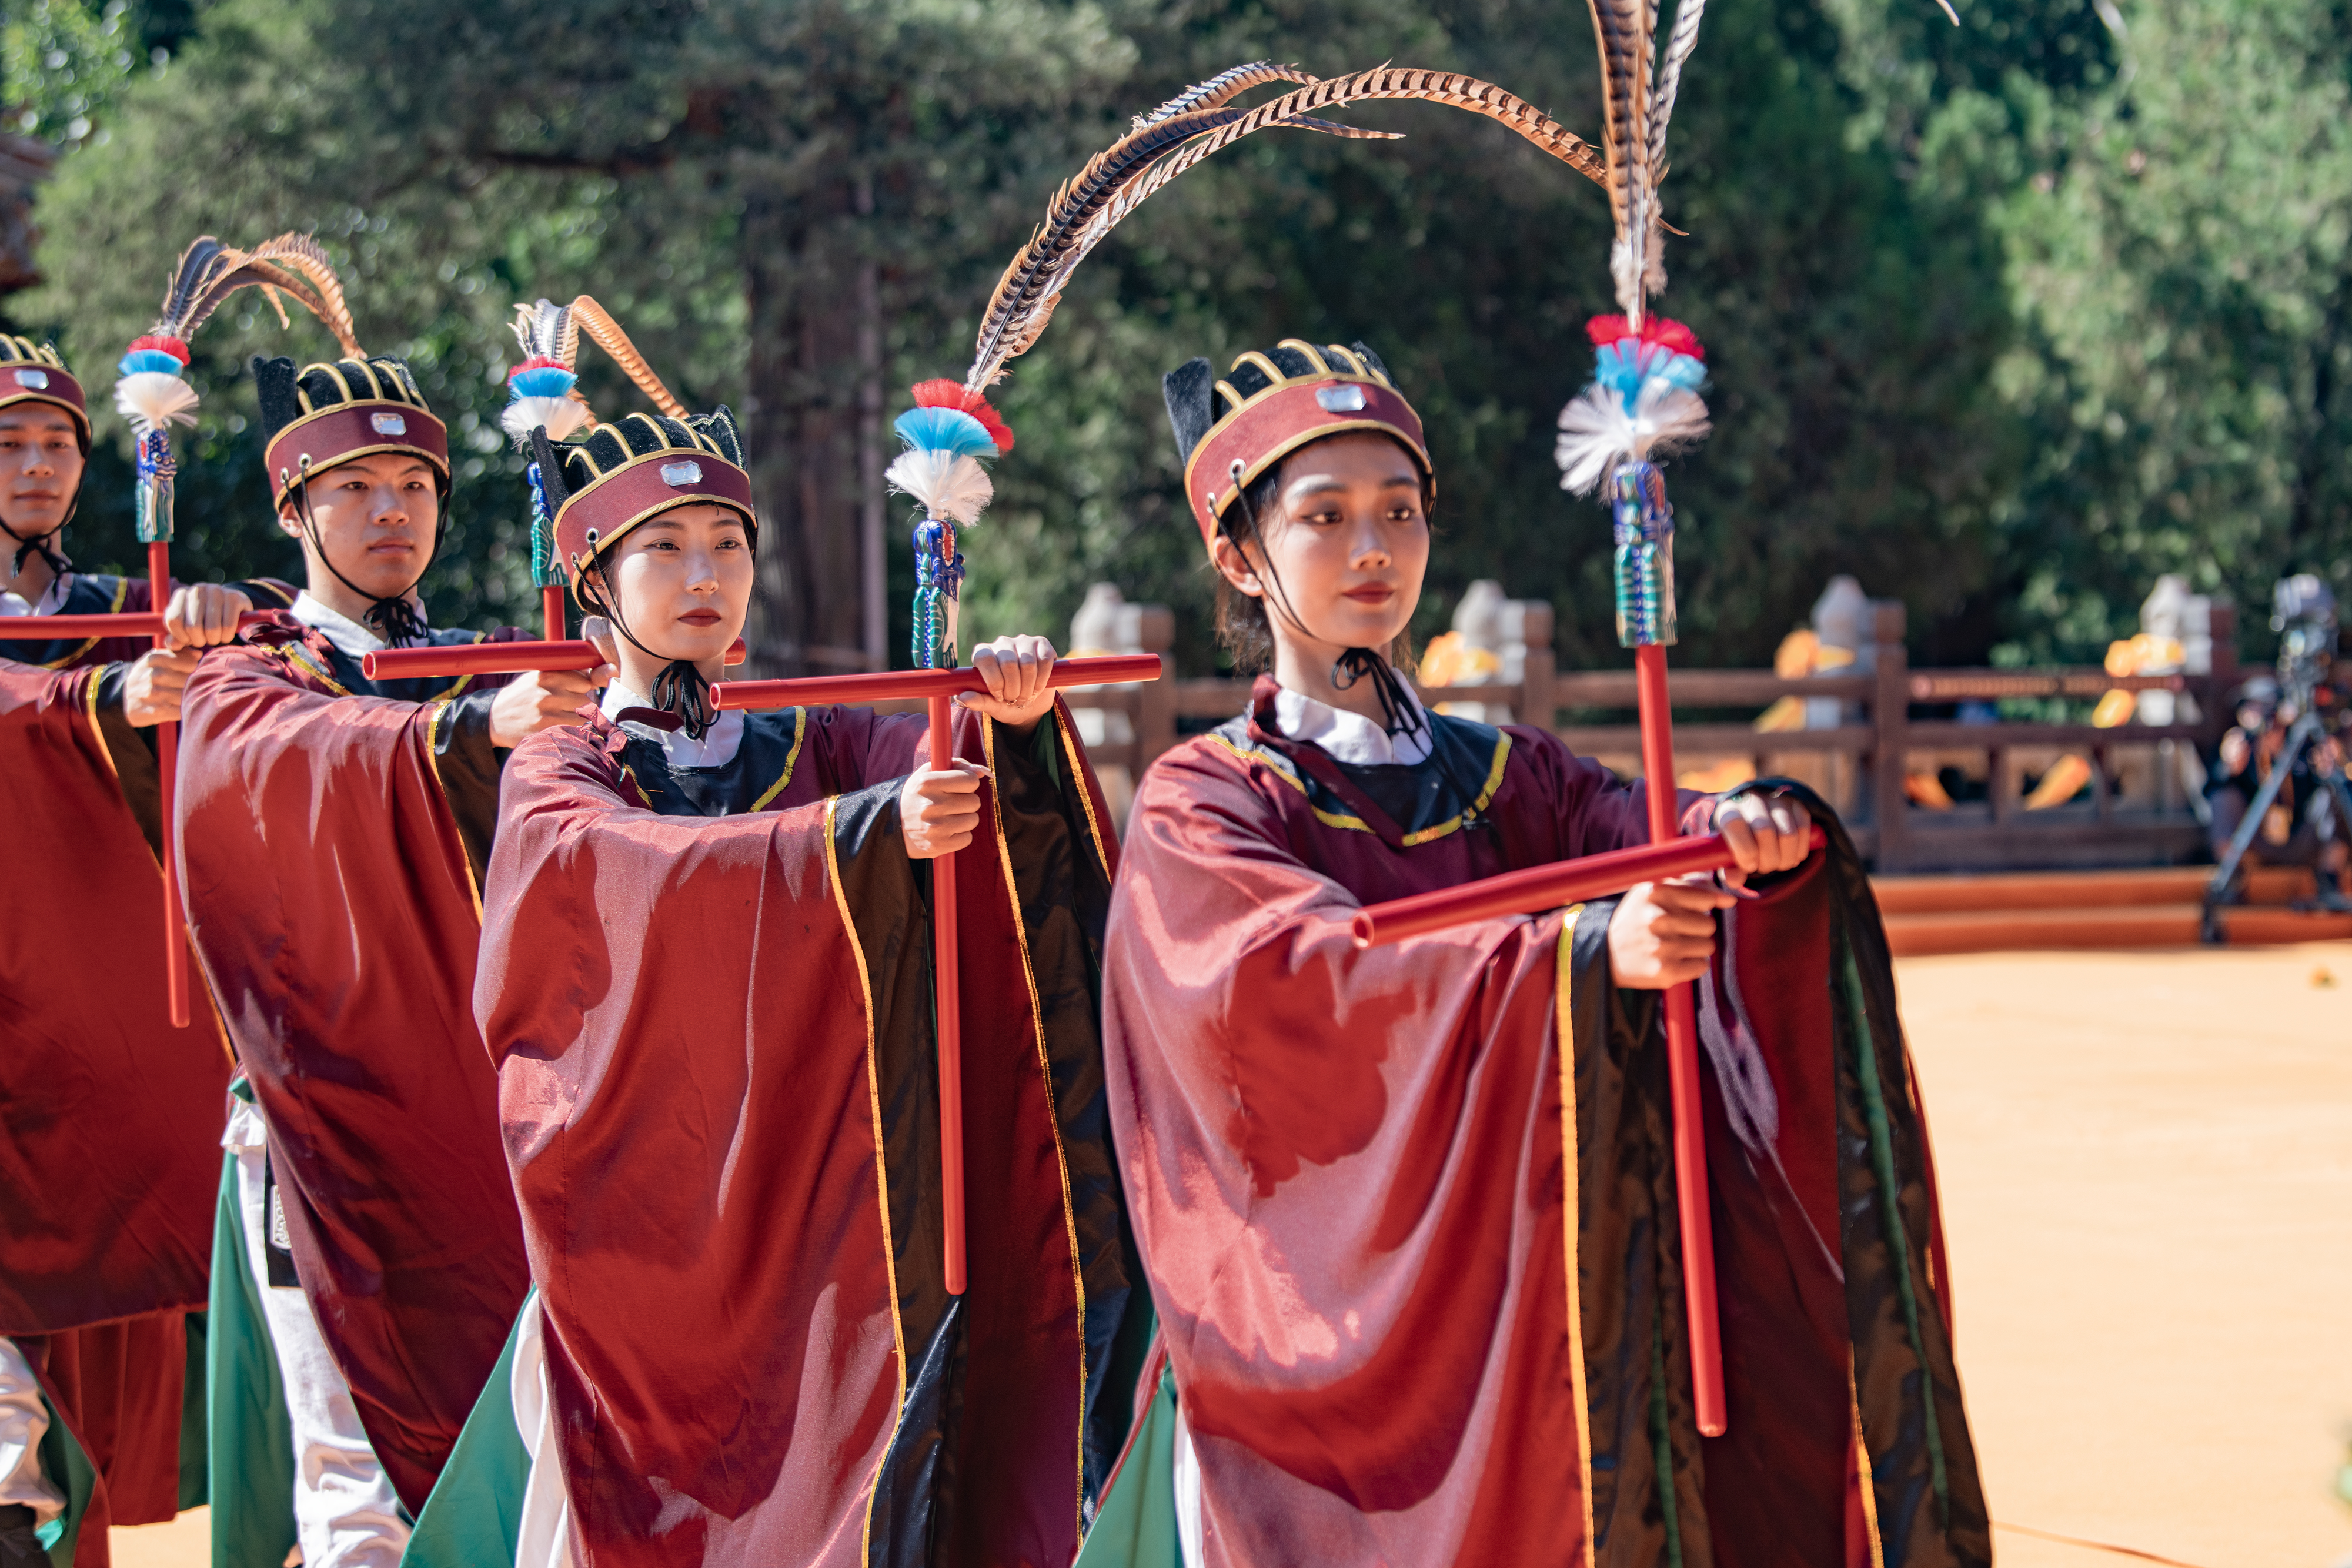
{"x": 810, "y": 376}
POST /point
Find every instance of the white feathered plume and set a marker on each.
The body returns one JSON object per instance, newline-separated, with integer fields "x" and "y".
{"x": 950, "y": 487}
{"x": 1596, "y": 434}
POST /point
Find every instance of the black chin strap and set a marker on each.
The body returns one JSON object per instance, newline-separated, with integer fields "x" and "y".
{"x": 43, "y": 544}
{"x": 680, "y": 688}
{"x": 1399, "y": 715}
{"x": 391, "y": 617}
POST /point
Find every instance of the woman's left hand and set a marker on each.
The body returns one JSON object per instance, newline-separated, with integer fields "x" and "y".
{"x": 1765, "y": 833}
{"x": 1017, "y": 670}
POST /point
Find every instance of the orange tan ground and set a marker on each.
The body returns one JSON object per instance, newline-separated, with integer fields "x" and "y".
{"x": 2147, "y": 1162}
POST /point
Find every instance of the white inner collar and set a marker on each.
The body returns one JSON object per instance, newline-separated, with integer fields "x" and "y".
{"x": 1351, "y": 736}
{"x": 716, "y": 748}
{"x": 53, "y": 598}
{"x": 340, "y": 629}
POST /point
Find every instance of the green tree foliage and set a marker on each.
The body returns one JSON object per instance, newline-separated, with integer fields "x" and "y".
{"x": 2005, "y": 320}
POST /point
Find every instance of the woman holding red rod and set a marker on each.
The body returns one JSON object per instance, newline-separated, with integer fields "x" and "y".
{"x": 706, "y": 978}
{"x": 110, "y": 1115}
{"x": 1408, "y": 1213}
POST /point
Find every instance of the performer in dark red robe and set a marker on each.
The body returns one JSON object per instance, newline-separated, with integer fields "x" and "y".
{"x": 110, "y": 1117}
{"x": 706, "y": 974}
{"x": 1407, "y": 1214}
{"x": 333, "y": 832}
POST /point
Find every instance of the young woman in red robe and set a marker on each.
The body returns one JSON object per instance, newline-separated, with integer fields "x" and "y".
{"x": 1408, "y": 1213}
{"x": 706, "y": 978}
{"x": 110, "y": 1117}
{"x": 333, "y": 832}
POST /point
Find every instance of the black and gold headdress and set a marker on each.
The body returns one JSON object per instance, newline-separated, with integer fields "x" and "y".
{"x": 337, "y": 410}
{"x": 633, "y": 468}
{"x": 1231, "y": 431}
{"x": 33, "y": 372}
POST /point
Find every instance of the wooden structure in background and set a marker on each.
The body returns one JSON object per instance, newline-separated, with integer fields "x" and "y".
{"x": 2140, "y": 813}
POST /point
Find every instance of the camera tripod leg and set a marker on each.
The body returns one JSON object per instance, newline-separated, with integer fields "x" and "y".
{"x": 2216, "y": 891}
{"x": 2328, "y": 883}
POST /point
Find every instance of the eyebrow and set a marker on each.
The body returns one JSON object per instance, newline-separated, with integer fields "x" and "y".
{"x": 668, "y": 520}
{"x": 1318, "y": 487}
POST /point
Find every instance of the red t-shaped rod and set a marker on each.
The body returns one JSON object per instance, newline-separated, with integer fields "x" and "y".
{"x": 1681, "y": 1072}
{"x": 939, "y": 689}
{"x": 167, "y": 764}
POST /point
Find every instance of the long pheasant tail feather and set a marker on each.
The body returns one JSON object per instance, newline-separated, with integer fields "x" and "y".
{"x": 291, "y": 265}
{"x": 1030, "y": 279}
{"x": 1223, "y": 88}
{"x": 590, "y": 317}
{"x": 1679, "y": 45}
{"x": 191, "y": 276}
{"x": 1624, "y": 33}
{"x": 302, "y": 255}
{"x": 1118, "y": 179}
{"x": 1384, "y": 83}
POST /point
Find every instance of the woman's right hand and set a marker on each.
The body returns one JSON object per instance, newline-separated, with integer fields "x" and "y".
{"x": 155, "y": 684}
{"x": 1662, "y": 934}
{"x": 939, "y": 810}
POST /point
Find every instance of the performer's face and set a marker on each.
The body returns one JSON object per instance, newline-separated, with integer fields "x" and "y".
{"x": 683, "y": 582}
{"x": 376, "y": 518}
{"x": 1346, "y": 543}
{"x": 40, "y": 467}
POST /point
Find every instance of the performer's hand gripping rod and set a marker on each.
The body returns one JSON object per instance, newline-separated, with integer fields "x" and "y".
{"x": 938, "y": 687}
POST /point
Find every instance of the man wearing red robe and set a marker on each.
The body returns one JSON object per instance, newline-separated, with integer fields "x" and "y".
{"x": 109, "y": 1115}
{"x": 333, "y": 832}
{"x": 1408, "y": 1213}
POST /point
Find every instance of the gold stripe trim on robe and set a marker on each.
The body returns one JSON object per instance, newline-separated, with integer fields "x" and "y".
{"x": 791, "y": 757}
{"x": 881, "y": 1170}
{"x": 1564, "y": 1030}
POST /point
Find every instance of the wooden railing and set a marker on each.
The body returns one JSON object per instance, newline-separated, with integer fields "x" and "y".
{"x": 2141, "y": 809}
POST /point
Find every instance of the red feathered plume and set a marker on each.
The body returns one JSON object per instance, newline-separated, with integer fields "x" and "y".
{"x": 1673, "y": 335}
{"x": 945, "y": 393}
{"x": 171, "y": 346}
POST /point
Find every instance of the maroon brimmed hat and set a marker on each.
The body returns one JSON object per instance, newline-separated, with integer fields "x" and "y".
{"x": 31, "y": 372}
{"x": 334, "y": 411}
{"x": 639, "y": 467}
{"x": 1271, "y": 404}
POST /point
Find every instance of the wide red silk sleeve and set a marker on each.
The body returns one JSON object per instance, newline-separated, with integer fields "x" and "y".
{"x": 335, "y": 912}
{"x": 109, "y": 1118}
{"x": 1344, "y": 1169}
{"x": 721, "y": 1110}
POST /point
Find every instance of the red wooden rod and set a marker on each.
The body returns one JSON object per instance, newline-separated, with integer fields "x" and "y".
{"x": 948, "y": 990}
{"x": 550, "y": 613}
{"x": 167, "y": 764}
{"x": 132, "y": 623}
{"x": 1114, "y": 669}
{"x": 1682, "y": 1072}
{"x": 492, "y": 659}
{"x": 1542, "y": 887}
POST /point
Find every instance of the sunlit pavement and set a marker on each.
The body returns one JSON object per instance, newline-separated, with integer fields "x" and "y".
{"x": 2147, "y": 1170}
